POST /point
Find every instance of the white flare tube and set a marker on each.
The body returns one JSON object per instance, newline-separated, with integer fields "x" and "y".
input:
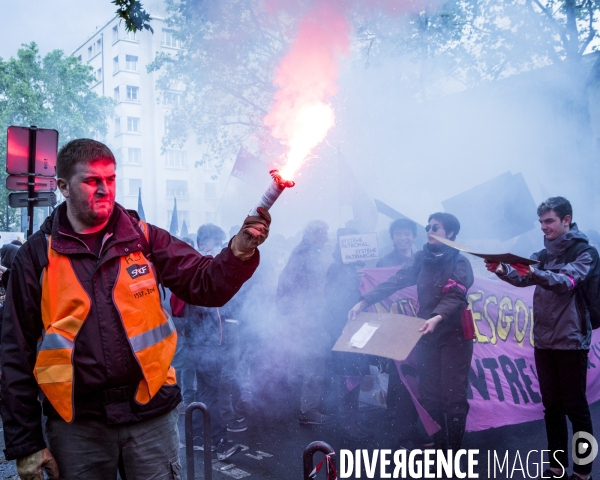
{"x": 272, "y": 193}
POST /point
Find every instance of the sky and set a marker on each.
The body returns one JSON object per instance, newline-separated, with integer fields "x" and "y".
{"x": 52, "y": 24}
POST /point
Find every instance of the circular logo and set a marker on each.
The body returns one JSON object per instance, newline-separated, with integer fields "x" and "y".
{"x": 585, "y": 450}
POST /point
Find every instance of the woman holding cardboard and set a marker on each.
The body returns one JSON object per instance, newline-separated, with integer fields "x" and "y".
{"x": 442, "y": 277}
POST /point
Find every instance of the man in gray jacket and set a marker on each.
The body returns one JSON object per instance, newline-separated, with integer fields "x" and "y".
{"x": 562, "y": 329}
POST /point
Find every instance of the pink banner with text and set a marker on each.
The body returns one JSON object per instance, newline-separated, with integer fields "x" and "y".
{"x": 503, "y": 386}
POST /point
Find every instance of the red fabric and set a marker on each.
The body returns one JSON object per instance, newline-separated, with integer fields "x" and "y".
{"x": 329, "y": 468}
{"x": 451, "y": 283}
{"x": 177, "y": 306}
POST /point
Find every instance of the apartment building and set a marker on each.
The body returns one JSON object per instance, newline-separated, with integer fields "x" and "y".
{"x": 119, "y": 59}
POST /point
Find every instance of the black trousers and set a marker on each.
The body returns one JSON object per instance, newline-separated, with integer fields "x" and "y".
{"x": 562, "y": 377}
{"x": 443, "y": 376}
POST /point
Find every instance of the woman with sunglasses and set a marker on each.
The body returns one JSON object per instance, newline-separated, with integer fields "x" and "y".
{"x": 442, "y": 277}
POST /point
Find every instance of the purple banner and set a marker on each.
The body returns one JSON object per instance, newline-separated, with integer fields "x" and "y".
{"x": 503, "y": 386}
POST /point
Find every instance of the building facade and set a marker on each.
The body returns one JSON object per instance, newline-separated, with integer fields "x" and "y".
{"x": 119, "y": 59}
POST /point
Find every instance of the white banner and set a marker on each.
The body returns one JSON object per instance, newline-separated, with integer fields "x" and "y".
{"x": 359, "y": 247}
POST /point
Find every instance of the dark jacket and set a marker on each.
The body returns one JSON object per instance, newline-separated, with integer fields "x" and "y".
{"x": 7, "y": 254}
{"x": 434, "y": 270}
{"x": 301, "y": 287}
{"x": 204, "y": 326}
{"x": 341, "y": 292}
{"x": 394, "y": 259}
{"x": 560, "y": 322}
{"x": 102, "y": 355}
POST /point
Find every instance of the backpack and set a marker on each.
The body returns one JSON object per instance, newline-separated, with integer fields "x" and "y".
{"x": 589, "y": 290}
{"x": 39, "y": 258}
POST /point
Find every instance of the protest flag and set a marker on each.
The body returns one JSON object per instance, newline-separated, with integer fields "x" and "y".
{"x": 140, "y": 209}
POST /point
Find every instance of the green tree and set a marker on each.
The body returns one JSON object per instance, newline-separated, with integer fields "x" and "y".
{"x": 134, "y": 15}
{"x": 53, "y": 92}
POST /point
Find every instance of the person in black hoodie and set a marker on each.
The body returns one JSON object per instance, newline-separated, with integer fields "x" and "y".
{"x": 212, "y": 338}
{"x": 300, "y": 300}
{"x": 443, "y": 277}
{"x": 341, "y": 290}
{"x": 7, "y": 253}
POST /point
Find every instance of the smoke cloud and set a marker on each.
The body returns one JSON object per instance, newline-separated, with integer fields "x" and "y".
{"x": 306, "y": 79}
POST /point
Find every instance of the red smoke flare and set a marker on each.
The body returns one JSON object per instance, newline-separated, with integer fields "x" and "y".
{"x": 301, "y": 116}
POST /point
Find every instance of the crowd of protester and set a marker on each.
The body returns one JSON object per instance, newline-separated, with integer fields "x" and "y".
{"x": 263, "y": 325}
{"x": 286, "y": 319}
{"x": 281, "y": 327}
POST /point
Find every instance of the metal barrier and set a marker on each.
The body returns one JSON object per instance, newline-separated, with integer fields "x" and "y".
{"x": 189, "y": 441}
{"x": 309, "y": 452}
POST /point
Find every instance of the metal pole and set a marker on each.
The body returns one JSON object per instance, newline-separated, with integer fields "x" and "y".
{"x": 307, "y": 456}
{"x": 31, "y": 179}
{"x": 189, "y": 441}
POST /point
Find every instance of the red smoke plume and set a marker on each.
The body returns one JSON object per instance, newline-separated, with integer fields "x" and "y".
{"x": 306, "y": 79}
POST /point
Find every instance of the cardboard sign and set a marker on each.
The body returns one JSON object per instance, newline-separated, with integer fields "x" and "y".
{"x": 360, "y": 247}
{"x": 387, "y": 335}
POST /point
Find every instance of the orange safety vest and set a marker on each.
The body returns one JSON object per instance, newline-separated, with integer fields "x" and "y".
{"x": 66, "y": 305}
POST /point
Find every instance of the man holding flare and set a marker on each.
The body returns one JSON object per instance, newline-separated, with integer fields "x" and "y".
{"x": 84, "y": 322}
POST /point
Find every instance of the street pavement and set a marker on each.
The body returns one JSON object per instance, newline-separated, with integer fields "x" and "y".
{"x": 274, "y": 443}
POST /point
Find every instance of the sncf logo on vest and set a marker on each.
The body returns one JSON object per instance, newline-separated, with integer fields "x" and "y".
{"x": 136, "y": 270}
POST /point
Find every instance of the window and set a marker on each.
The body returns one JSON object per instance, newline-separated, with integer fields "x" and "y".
{"x": 176, "y": 158}
{"x": 168, "y": 40}
{"x": 172, "y": 98}
{"x": 79, "y": 58}
{"x": 90, "y": 51}
{"x": 98, "y": 46}
{"x": 210, "y": 191}
{"x": 99, "y": 75}
{"x": 132, "y": 93}
{"x": 134, "y": 186}
{"x": 131, "y": 36}
{"x": 167, "y": 125}
{"x": 115, "y": 33}
{"x": 116, "y": 94}
{"x": 133, "y": 124}
{"x": 116, "y": 64}
{"x": 177, "y": 188}
{"x": 117, "y": 125}
{"x": 134, "y": 155}
{"x": 118, "y": 152}
{"x": 131, "y": 62}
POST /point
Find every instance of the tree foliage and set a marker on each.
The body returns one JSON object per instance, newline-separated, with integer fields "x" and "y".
{"x": 474, "y": 41}
{"x": 53, "y": 92}
{"x": 223, "y": 73}
{"x": 133, "y": 14}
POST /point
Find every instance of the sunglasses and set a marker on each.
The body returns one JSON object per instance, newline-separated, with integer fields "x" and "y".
{"x": 434, "y": 229}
